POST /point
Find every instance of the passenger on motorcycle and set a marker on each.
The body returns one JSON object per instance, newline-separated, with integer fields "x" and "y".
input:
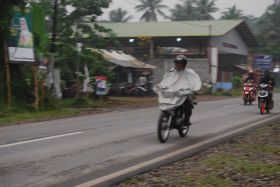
{"x": 179, "y": 79}
{"x": 252, "y": 80}
{"x": 250, "y": 77}
{"x": 267, "y": 79}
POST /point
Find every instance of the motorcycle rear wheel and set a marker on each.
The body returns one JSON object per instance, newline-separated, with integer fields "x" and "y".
{"x": 163, "y": 129}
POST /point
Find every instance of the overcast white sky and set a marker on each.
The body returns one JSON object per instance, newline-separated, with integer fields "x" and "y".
{"x": 249, "y": 7}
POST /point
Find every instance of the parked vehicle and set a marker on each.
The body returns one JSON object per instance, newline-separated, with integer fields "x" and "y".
{"x": 264, "y": 103}
{"x": 175, "y": 119}
{"x": 132, "y": 90}
{"x": 249, "y": 93}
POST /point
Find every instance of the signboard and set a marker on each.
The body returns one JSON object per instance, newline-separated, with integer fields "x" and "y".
{"x": 263, "y": 62}
{"x": 101, "y": 85}
{"x": 20, "y": 45}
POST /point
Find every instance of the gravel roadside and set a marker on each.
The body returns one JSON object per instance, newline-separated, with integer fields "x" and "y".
{"x": 250, "y": 160}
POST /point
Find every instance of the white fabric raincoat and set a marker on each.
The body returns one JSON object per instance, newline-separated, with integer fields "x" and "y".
{"x": 175, "y": 86}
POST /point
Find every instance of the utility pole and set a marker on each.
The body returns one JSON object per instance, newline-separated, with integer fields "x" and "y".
{"x": 53, "y": 48}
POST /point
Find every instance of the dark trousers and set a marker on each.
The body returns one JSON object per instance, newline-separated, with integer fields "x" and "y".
{"x": 188, "y": 110}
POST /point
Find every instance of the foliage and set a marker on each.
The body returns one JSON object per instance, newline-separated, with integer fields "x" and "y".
{"x": 150, "y": 8}
{"x": 119, "y": 15}
{"x": 194, "y": 10}
{"x": 269, "y": 33}
{"x": 236, "y": 81}
{"x": 232, "y": 13}
{"x": 205, "y": 8}
{"x": 6, "y": 10}
{"x": 187, "y": 11}
{"x": 72, "y": 27}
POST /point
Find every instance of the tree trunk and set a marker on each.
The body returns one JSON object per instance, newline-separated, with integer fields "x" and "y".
{"x": 8, "y": 77}
{"x": 36, "y": 95}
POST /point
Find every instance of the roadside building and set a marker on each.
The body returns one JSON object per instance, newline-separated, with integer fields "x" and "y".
{"x": 126, "y": 68}
{"x": 216, "y": 48}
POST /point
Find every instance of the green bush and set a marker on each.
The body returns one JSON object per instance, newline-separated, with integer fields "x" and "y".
{"x": 236, "y": 81}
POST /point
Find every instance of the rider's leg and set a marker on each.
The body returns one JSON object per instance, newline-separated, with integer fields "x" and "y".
{"x": 269, "y": 99}
{"x": 188, "y": 112}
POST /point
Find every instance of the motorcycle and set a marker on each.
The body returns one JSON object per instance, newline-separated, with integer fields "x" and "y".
{"x": 249, "y": 93}
{"x": 175, "y": 119}
{"x": 263, "y": 98}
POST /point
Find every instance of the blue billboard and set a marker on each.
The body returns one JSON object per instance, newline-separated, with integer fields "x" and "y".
{"x": 263, "y": 62}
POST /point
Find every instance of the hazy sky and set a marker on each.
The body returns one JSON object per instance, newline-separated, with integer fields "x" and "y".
{"x": 249, "y": 7}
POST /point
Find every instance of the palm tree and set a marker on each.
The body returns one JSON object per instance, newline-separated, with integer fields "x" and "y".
{"x": 205, "y": 8}
{"x": 232, "y": 13}
{"x": 271, "y": 24}
{"x": 150, "y": 9}
{"x": 119, "y": 15}
{"x": 187, "y": 11}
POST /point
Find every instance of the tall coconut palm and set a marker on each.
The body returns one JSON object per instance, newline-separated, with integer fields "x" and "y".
{"x": 119, "y": 15}
{"x": 205, "y": 8}
{"x": 150, "y": 8}
{"x": 187, "y": 11}
{"x": 232, "y": 13}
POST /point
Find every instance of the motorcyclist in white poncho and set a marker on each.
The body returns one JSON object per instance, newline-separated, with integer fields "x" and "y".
{"x": 177, "y": 85}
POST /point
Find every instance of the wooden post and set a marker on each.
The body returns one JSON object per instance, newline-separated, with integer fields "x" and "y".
{"x": 8, "y": 77}
{"x": 151, "y": 49}
{"x": 42, "y": 98}
{"x": 36, "y": 95}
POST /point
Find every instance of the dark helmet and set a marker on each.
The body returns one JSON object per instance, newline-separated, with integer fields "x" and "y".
{"x": 181, "y": 59}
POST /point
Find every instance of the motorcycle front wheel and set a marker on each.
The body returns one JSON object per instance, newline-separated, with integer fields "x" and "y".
{"x": 262, "y": 106}
{"x": 245, "y": 99}
{"x": 163, "y": 129}
{"x": 183, "y": 130}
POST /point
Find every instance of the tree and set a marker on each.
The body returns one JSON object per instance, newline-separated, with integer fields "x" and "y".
{"x": 187, "y": 11}
{"x": 119, "y": 15}
{"x": 6, "y": 11}
{"x": 271, "y": 24}
{"x": 79, "y": 26}
{"x": 232, "y": 13}
{"x": 205, "y": 8}
{"x": 269, "y": 34}
{"x": 253, "y": 23}
{"x": 150, "y": 8}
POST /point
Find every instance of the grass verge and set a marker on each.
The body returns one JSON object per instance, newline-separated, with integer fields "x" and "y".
{"x": 248, "y": 160}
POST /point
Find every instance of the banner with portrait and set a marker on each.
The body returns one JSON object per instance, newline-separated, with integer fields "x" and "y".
{"x": 20, "y": 44}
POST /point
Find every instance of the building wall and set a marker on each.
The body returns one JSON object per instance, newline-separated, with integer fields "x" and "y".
{"x": 227, "y": 68}
{"x": 230, "y": 43}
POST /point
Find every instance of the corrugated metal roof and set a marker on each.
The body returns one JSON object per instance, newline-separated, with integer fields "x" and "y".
{"x": 200, "y": 28}
{"x": 121, "y": 59}
{"x": 175, "y": 28}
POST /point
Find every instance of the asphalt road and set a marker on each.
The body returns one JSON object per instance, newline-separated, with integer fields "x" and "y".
{"x": 73, "y": 151}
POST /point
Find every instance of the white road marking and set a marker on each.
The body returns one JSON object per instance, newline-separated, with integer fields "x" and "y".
{"x": 170, "y": 155}
{"x": 40, "y": 139}
{"x": 229, "y": 106}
